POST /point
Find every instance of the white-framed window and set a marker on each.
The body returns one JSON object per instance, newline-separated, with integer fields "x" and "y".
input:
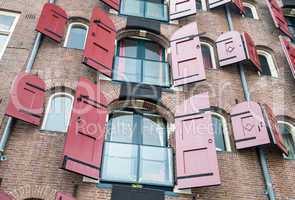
{"x": 208, "y": 55}
{"x": 221, "y": 134}
{"x": 250, "y": 11}
{"x": 8, "y": 21}
{"x": 288, "y": 132}
{"x": 267, "y": 64}
{"x": 76, "y": 36}
{"x": 58, "y": 112}
{"x": 201, "y": 5}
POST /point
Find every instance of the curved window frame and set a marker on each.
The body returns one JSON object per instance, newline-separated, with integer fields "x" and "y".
{"x": 69, "y": 31}
{"x": 253, "y": 10}
{"x": 225, "y": 132}
{"x": 292, "y": 127}
{"x": 49, "y": 106}
{"x": 212, "y": 53}
{"x": 271, "y": 63}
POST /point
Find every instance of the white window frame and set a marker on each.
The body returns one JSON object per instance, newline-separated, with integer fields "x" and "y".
{"x": 48, "y": 109}
{"x": 225, "y": 132}
{"x": 292, "y": 131}
{"x": 8, "y": 33}
{"x": 252, "y": 8}
{"x": 69, "y": 31}
{"x": 212, "y": 53}
{"x": 272, "y": 67}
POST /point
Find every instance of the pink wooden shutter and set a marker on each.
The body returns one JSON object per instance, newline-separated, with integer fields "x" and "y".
{"x": 278, "y": 16}
{"x": 115, "y": 4}
{"x": 187, "y": 59}
{"x": 4, "y": 196}
{"x": 196, "y": 159}
{"x": 26, "y": 100}
{"x": 62, "y": 196}
{"x": 52, "y": 22}
{"x": 274, "y": 130}
{"x": 251, "y": 51}
{"x": 182, "y": 8}
{"x": 230, "y": 48}
{"x": 248, "y": 124}
{"x": 83, "y": 146}
{"x": 289, "y": 51}
{"x": 100, "y": 45}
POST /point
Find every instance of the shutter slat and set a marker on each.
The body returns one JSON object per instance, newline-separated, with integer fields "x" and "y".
{"x": 251, "y": 51}
{"x": 289, "y": 51}
{"x": 182, "y": 8}
{"x": 115, "y": 4}
{"x": 63, "y": 196}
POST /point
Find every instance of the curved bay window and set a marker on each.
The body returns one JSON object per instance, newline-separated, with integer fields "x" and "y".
{"x": 136, "y": 149}
{"x": 141, "y": 61}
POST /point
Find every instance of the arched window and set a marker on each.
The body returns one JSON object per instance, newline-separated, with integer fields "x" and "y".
{"x": 201, "y": 5}
{"x": 288, "y": 132}
{"x": 76, "y": 36}
{"x": 208, "y": 55}
{"x": 267, "y": 64}
{"x": 58, "y": 112}
{"x": 250, "y": 11}
{"x": 221, "y": 134}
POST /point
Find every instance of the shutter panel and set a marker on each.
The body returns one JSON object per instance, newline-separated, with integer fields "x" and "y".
{"x": 196, "y": 159}
{"x": 100, "y": 45}
{"x": 52, "y": 22}
{"x": 83, "y": 146}
{"x": 217, "y": 3}
{"x": 187, "y": 59}
{"x": 289, "y": 51}
{"x": 62, "y": 196}
{"x": 274, "y": 130}
{"x": 115, "y": 4}
{"x": 26, "y": 100}
{"x": 4, "y": 196}
{"x": 278, "y": 16}
{"x": 182, "y": 8}
{"x": 248, "y": 124}
{"x": 239, "y": 5}
{"x": 230, "y": 48}
{"x": 251, "y": 51}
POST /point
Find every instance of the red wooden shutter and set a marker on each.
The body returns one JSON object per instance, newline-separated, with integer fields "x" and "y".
{"x": 230, "y": 48}
{"x": 278, "y": 16}
{"x": 100, "y": 45}
{"x": 62, "y": 196}
{"x": 187, "y": 59}
{"x": 248, "y": 124}
{"x": 217, "y": 3}
{"x": 274, "y": 130}
{"x": 83, "y": 146}
{"x": 251, "y": 51}
{"x": 239, "y": 5}
{"x": 52, "y": 22}
{"x": 182, "y": 8}
{"x": 4, "y": 196}
{"x": 196, "y": 159}
{"x": 115, "y": 4}
{"x": 289, "y": 51}
{"x": 26, "y": 100}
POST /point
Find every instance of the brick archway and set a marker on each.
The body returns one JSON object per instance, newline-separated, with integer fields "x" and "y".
{"x": 34, "y": 192}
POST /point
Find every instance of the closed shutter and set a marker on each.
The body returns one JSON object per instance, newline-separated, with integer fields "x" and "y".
{"x": 248, "y": 124}
{"x": 62, "y": 196}
{"x": 278, "y": 16}
{"x": 115, "y": 4}
{"x": 289, "y": 51}
{"x": 100, "y": 45}
{"x": 216, "y": 3}
{"x": 52, "y": 22}
{"x": 182, "y": 8}
{"x": 187, "y": 59}
{"x": 196, "y": 160}
{"x": 251, "y": 51}
{"x": 83, "y": 146}
{"x": 26, "y": 99}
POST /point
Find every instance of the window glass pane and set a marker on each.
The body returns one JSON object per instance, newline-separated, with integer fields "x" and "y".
{"x": 59, "y": 114}
{"x": 129, "y": 48}
{"x": 153, "y": 51}
{"x": 218, "y": 133}
{"x": 264, "y": 65}
{"x": 3, "y": 40}
{"x": 155, "y": 73}
{"x": 156, "y": 10}
{"x": 248, "y": 12}
{"x": 127, "y": 69}
{"x": 207, "y": 56}
{"x": 120, "y": 162}
{"x": 76, "y": 38}
{"x": 288, "y": 139}
{"x": 156, "y": 166}
{"x": 154, "y": 130}
{"x": 199, "y": 4}
{"x": 6, "y": 22}
{"x": 132, "y": 7}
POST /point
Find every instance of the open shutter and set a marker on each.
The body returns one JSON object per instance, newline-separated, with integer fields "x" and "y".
{"x": 251, "y": 51}
{"x": 83, "y": 146}
{"x": 62, "y": 196}
{"x": 182, "y": 8}
{"x": 278, "y": 16}
{"x": 187, "y": 59}
{"x": 115, "y": 4}
{"x": 52, "y": 22}
{"x": 230, "y": 48}
{"x": 4, "y": 196}
{"x": 196, "y": 159}
{"x": 100, "y": 45}
{"x": 248, "y": 124}
{"x": 217, "y": 3}
{"x": 26, "y": 100}
{"x": 289, "y": 51}
{"x": 273, "y": 128}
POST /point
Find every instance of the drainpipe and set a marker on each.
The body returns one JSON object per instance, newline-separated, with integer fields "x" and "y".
{"x": 260, "y": 151}
{"x": 29, "y": 65}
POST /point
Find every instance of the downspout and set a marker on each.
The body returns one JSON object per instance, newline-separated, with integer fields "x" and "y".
{"x": 260, "y": 151}
{"x": 29, "y": 65}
